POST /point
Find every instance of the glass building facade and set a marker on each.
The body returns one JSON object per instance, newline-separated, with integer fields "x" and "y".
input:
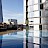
{"x": 37, "y": 13}
{"x": 1, "y": 15}
{"x": 45, "y": 16}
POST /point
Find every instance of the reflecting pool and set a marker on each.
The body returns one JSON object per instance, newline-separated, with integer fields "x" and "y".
{"x": 21, "y": 39}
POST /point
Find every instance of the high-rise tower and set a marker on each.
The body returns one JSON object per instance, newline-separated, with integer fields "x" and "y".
{"x": 1, "y": 15}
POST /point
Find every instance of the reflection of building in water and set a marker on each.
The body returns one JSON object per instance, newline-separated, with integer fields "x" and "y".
{"x": 40, "y": 41}
{"x": 20, "y": 26}
{"x": 14, "y": 33}
{"x": 1, "y": 41}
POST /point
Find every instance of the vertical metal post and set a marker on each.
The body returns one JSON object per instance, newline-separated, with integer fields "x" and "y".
{"x": 27, "y": 22}
{"x": 27, "y": 32}
{"x": 40, "y": 26}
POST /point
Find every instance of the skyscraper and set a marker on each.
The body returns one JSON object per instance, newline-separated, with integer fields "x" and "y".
{"x": 1, "y": 15}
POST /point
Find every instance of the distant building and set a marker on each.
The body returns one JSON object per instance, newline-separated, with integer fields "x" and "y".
{"x": 20, "y": 26}
{"x": 1, "y": 15}
{"x": 14, "y": 21}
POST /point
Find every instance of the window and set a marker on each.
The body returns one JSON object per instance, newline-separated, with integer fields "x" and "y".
{"x": 30, "y": 2}
{"x": 30, "y": 8}
{"x": 40, "y": 1}
{"x": 40, "y": 27}
{"x": 43, "y": 1}
{"x": 35, "y": 1}
{"x": 36, "y": 7}
{"x": 30, "y": 14}
{"x": 36, "y": 20}
{"x": 36, "y": 14}
{"x": 41, "y": 6}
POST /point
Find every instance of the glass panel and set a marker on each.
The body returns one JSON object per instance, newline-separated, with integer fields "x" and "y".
{"x": 30, "y": 2}
{"x": 36, "y": 14}
{"x": 30, "y": 39}
{"x": 44, "y": 40}
{"x": 36, "y": 40}
{"x": 30, "y": 45}
{"x": 35, "y": 1}
{"x": 44, "y": 20}
{"x": 36, "y": 7}
{"x": 43, "y": 1}
{"x": 36, "y": 20}
{"x": 44, "y": 33}
{"x": 46, "y": 5}
{"x": 44, "y": 46}
{"x": 36, "y": 31}
{"x": 41, "y": 6}
{"x": 36, "y": 46}
{"x": 30, "y": 8}
{"x": 46, "y": 13}
{"x": 30, "y": 14}
{"x": 45, "y": 27}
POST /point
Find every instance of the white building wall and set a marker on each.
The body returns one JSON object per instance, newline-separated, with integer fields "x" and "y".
{"x": 34, "y": 11}
{"x": 43, "y": 1}
{"x": 36, "y": 14}
{"x": 30, "y": 9}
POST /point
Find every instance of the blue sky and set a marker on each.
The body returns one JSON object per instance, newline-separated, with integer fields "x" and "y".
{"x": 13, "y": 9}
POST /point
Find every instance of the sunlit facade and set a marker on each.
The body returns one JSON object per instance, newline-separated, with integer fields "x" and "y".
{"x": 1, "y": 16}
{"x": 38, "y": 13}
{"x": 35, "y": 13}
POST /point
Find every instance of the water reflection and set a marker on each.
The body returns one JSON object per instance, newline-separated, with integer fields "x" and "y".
{"x": 0, "y": 41}
{"x": 24, "y": 39}
{"x": 37, "y": 39}
{"x": 11, "y": 40}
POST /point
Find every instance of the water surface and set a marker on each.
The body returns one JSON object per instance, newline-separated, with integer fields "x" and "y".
{"x": 17, "y": 39}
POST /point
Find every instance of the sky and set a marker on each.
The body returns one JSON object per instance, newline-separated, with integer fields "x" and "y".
{"x": 12, "y": 9}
